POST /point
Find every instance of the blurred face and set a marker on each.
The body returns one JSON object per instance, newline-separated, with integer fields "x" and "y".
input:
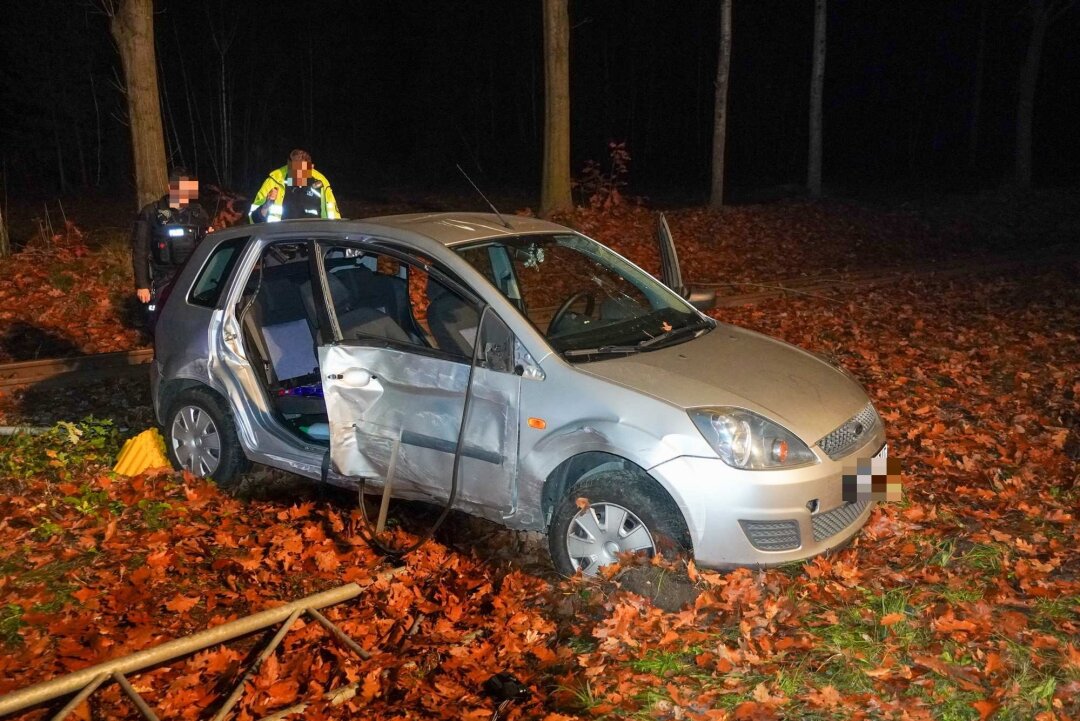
{"x": 183, "y": 191}
{"x": 300, "y": 171}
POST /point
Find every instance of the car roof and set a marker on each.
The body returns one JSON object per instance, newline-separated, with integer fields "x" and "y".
{"x": 460, "y": 227}
{"x": 447, "y": 229}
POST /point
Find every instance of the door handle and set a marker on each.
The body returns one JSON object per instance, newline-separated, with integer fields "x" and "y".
{"x": 354, "y": 377}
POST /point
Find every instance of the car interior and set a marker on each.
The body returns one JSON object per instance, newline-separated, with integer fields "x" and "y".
{"x": 371, "y": 298}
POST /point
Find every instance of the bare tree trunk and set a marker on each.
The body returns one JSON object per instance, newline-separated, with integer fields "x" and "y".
{"x": 555, "y": 184}
{"x": 723, "y": 66}
{"x": 5, "y": 240}
{"x": 817, "y": 85}
{"x": 62, "y": 174}
{"x": 97, "y": 128}
{"x": 187, "y": 94}
{"x": 1029, "y": 78}
{"x": 132, "y": 27}
{"x": 84, "y": 169}
{"x": 977, "y": 92}
{"x": 174, "y": 148}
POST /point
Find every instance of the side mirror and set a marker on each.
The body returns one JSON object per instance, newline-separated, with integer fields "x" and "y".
{"x": 704, "y": 299}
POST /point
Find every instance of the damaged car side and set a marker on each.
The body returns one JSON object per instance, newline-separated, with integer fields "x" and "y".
{"x": 602, "y": 408}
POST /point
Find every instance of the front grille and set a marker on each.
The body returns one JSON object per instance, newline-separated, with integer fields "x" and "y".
{"x": 829, "y": 524}
{"x": 850, "y": 433}
{"x": 772, "y": 535}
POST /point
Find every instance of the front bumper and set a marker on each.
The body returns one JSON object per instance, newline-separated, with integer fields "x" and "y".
{"x": 764, "y": 518}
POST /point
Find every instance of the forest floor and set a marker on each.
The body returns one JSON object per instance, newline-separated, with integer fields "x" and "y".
{"x": 961, "y": 602}
{"x": 69, "y": 289}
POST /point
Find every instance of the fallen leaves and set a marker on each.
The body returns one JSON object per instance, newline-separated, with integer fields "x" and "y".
{"x": 958, "y": 603}
{"x": 182, "y": 604}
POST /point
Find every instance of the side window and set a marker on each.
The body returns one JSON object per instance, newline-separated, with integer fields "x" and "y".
{"x": 374, "y": 295}
{"x": 206, "y": 290}
{"x": 497, "y": 345}
{"x": 451, "y": 320}
{"x": 493, "y": 261}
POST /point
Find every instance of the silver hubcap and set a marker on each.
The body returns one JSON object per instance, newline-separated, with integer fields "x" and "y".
{"x": 598, "y": 534}
{"x": 195, "y": 441}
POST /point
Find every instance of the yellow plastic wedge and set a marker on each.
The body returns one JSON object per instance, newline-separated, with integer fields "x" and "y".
{"x": 141, "y": 453}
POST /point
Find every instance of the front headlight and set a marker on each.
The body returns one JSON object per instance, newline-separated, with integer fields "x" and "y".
{"x": 747, "y": 441}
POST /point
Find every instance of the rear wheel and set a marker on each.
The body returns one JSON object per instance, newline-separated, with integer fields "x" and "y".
{"x": 624, "y": 513}
{"x": 200, "y": 437}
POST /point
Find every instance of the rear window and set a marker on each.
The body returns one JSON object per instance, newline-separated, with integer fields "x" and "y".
{"x": 206, "y": 290}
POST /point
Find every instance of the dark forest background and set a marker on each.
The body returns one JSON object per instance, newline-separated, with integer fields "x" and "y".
{"x": 392, "y": 93}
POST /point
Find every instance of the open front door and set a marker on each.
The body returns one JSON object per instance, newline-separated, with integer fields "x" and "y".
{"x": 671, "y": 272}
{"x": 395, "y": 409}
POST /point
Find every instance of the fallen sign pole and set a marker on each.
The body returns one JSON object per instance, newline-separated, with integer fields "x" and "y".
{"x": 86, "y": 681}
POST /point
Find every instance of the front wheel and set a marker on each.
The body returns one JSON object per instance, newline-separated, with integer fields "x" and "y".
{"x": 200, "y": 437}
{"x": 624, "y": 513}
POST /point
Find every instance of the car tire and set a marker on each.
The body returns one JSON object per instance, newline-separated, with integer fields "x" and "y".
{"x": 200, "y": 436}
{"x": 646, "y": 517}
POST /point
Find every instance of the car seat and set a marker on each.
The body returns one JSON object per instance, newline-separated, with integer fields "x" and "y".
{"x": 357, "y": 316}
{"x": 453, "y": 322}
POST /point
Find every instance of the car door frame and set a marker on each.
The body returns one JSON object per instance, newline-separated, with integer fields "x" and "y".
{"x": 501, "y": 395}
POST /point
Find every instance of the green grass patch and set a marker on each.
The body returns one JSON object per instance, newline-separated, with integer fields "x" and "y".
{"x": 61, "y": 281}
{"x": 942, "y": 553}
{"x": 91, "y": 502}
{"x": 952, "y": 704}
{"x": 1058, "y": 609}
{"x": 666, "y": 663}
{"x": 648, "y": 698}
{"x": 153, "y": 513}
{"x": 1034, "y": 682}
{"x": 986, "y": 557}
{"x": 580, "y": 644}
{"x": 855, "y": 642}
{"x": 10, "y": 623}
{"x": 58, "y": 450}
{"x": 584, "y": 698}
{"x": 791, "y": 681}
{"x": 962, "y": 595}
{"x": 46, "y": 529}
{"x": 83, "y": 299}
{"x": 54, "y": 577}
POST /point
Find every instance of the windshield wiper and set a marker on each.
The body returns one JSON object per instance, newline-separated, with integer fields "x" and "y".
{"x": 695, "y": 328}
{"x": 602, "y": 350}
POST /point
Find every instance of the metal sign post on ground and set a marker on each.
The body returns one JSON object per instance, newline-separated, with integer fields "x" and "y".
{"x": 86, "y": 681}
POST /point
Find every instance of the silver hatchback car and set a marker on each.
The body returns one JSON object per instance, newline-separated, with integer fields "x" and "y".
{"x": 579, "y": 395}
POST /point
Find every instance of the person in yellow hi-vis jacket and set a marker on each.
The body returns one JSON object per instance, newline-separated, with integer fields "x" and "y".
{"x": 295, "y": 190}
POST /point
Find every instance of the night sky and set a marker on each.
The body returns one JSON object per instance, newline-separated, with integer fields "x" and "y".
{"x": 390, "y": 94}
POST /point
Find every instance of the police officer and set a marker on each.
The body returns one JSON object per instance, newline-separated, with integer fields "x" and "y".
{"x": 166, "y": 232}
{"x": 295, "y": 190}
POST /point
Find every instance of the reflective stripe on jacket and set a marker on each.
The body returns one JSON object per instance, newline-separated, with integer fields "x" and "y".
{"x": 280, "y": 179}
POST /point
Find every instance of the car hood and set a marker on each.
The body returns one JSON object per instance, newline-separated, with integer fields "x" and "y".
{"x": 730, "y": 366}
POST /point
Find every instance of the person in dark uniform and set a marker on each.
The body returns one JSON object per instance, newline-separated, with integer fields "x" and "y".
{"x": 166, "y": 232}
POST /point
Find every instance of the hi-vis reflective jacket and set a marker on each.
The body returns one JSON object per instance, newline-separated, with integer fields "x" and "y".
{"x": 280, "y": 179}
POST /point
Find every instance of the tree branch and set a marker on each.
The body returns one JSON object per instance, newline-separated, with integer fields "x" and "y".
{"x": 1059, "y": 8}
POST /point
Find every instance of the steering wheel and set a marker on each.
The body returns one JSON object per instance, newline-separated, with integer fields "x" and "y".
{"x": 590, "y": 302}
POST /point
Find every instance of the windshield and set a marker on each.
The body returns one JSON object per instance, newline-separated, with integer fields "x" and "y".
{"x": 583, "y": 297}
